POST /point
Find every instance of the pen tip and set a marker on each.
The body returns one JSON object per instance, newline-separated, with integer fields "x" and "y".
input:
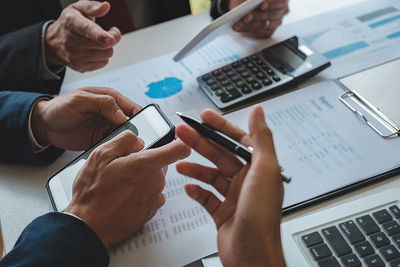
{"x": 179, "y": 113}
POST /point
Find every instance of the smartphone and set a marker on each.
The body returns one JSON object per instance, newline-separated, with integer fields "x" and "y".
{"x": 150, "y": 124}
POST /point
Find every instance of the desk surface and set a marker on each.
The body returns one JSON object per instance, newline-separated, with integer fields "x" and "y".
{"x": 22, "y": 188}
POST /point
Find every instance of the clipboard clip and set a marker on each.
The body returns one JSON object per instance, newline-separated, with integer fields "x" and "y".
{"x": 393, "y": 129}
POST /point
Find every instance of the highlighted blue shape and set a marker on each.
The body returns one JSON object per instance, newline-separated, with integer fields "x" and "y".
{"x": 394, "y": 35}
{"x": 345, "y": 50}
{"x": 384, "y": 21}
{"x": 165, "y": 88}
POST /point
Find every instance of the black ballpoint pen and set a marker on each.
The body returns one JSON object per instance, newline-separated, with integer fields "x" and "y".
{"x": 222, "y": 140}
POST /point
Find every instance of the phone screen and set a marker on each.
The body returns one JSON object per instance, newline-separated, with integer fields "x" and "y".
{"x": 148, "y": 124}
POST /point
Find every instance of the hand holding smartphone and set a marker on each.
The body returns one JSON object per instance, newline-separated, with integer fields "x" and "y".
{"x": 150, "y": 124}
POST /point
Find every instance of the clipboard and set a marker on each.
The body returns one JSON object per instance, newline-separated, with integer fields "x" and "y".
{"x": 377, "y": 98}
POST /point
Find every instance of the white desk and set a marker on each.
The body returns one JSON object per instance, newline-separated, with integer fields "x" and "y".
{"x": 22, "y": 188}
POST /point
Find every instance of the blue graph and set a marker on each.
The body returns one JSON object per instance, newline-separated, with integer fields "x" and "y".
{"x": 337, "y": 52}
{"x": 394, "y": 35}
{"x": 384, "y": 21}
{"x": 164, "y": 88}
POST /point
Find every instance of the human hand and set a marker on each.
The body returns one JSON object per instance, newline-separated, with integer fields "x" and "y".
{"x": 248, "y": 220}
{"x": 263, "y": 21}
{"x": 79, "y": 119}
{"x": 118, "y": 189}
{"x": 74, "y": 39}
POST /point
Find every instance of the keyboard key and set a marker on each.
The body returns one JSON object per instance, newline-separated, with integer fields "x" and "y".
{"x": 389, "y": 252}
{"x": 266, "y": 82}
{"x": 364, "y": 249}
{"x": 229, "y": 97}
{"x": 379, "y": 239}
{"x": 337, "y": 241}
{"x": 276, "y": 78}
{"x": 329, "y": 262}
{"x": 351, "y": 261}
{"x": 382, "y": 216}
{"x": 245, "y": 90}
{"x": 395, "y": 263}
{"x": 391, "y": 228}
{"x": 374, "y": 261}
{"x": 396, "y": 239}
{"x": 312, "y": 239}
{"x": 395, "y": 210}
{"x": 367, "y": 224}
{"x": 256, "y": 86}
{"x": 320, "y": 252}
{"x": 352, "y": 232}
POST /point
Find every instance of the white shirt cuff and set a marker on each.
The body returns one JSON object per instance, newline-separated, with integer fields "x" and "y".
{"x": 73, "y": 215}
{"x": 35, "y": 146}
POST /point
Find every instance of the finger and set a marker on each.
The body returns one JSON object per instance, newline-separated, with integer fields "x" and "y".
{"x": 257, "y": 28}
{"x": 163, "y": 156}
{"x": 273, "y": 14}
{"x": 129, "y": 107}
{"x": 274, "y": 4}
{"x": 95, "y": 55}
{"x": 122, "y": 145}
{"x": 225, "y": 161}
{"x": 221, "y": 124}
{"x": 84, "y": 27}
{"x": 114, "y": 31}
{"x": 261, "y": 137}
{"x": 92, "y": 9}
{"x": 205, "y": 174}
{"x": 160, "y": 201}
{"x": 207, "y": 199}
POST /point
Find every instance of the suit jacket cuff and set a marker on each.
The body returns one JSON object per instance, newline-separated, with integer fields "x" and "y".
{"x": 57, "y": 239}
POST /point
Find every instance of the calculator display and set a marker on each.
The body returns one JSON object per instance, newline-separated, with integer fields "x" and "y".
{"x": 287, "y": 55}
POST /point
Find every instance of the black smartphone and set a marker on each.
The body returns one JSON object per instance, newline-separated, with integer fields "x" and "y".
{"x": 150, "y": 124}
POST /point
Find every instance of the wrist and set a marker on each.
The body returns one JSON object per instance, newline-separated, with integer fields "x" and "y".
{"x": 38, "y": 122}
{"x": 52, "y": 58}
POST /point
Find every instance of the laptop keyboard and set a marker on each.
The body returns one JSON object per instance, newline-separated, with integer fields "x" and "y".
{"x": 371, "y": 239}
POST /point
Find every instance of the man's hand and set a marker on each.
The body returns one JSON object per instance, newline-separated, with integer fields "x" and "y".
{"x": 74, "y": 39}
{"x": 118, "y": 189}
{"x": 248, "y": 220}
{"x": 263, "y": 21}
{"x": 79, "y": 119}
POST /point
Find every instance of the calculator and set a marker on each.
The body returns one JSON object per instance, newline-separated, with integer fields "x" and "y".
{"x": 273, "y": 69}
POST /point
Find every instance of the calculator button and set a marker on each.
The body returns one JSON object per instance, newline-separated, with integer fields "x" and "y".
{"x": 336, "y": 240}
{"x": 256, "y": 86}
{"x": 230, "y": 73}
{"x": 254, "y": 70}
{"x": 250, "y": 65}
{"x": 210, "y": 81}
{"x": 379, "y": 239}
{"x": 396, "y": 239}
{"x": 266, "y": 81}
{"x": 364, "y": 249}
{"x": 226, "y": 68}
{"x": 241, "y": 69}
{"x": 216, "y": 72}
{"x": 230, "y": 87}
{"x": 320, "y": 252}
{"x": 206, "y": 77}
{"x": 219, "y": 92}
{"x": 352, "y": 232}
{"x": 389, "y": 253}
{"x": 259, "y": 61}
{"x": 220, "y": 77}
{"x": 228, "y": 97}
{"x": 254, "y": 57}
{"x": 235, "y": 65}
{"x": 351, "y": 261}
{"x": 312, "y": 239}
{"x": 276, "y": 78}
{"x": 225, "y": 82}
{"x": 245, "y": 90}
{"x": 382, "y": 216}
{"x": 251, "y": 79}
{"x": 391, "y": 228}
{"x": 245, "y": 60}
{"x": 395, "y": 263}
{"x": 240, "y": 84}
{"x": 215, "y": 87}
{"x": 395, "y": 210}
{"x": 260, "y": 75}
{"x": 235, "y": 78}
{"x": 374, "y": 261}
{"x": 367, "y": 224}
{"x": 245, "y": 74}
{"x": 329, "y": 262}
{"x": 270, "y": 71}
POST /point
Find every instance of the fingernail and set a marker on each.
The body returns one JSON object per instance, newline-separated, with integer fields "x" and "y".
{"x": 95, "y": 6}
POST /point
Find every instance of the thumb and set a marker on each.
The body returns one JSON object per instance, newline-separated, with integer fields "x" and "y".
{"x": 92, "y": 9}
{"x": 261, "y": 136}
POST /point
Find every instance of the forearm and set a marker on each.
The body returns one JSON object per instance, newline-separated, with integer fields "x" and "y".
{"x": 20, "y": 53}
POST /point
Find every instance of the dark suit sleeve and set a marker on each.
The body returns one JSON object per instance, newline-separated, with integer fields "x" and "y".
{"x": 14, "y": 140}
{"x": 57, "y": 239}
{"x": 19, "y": 62}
